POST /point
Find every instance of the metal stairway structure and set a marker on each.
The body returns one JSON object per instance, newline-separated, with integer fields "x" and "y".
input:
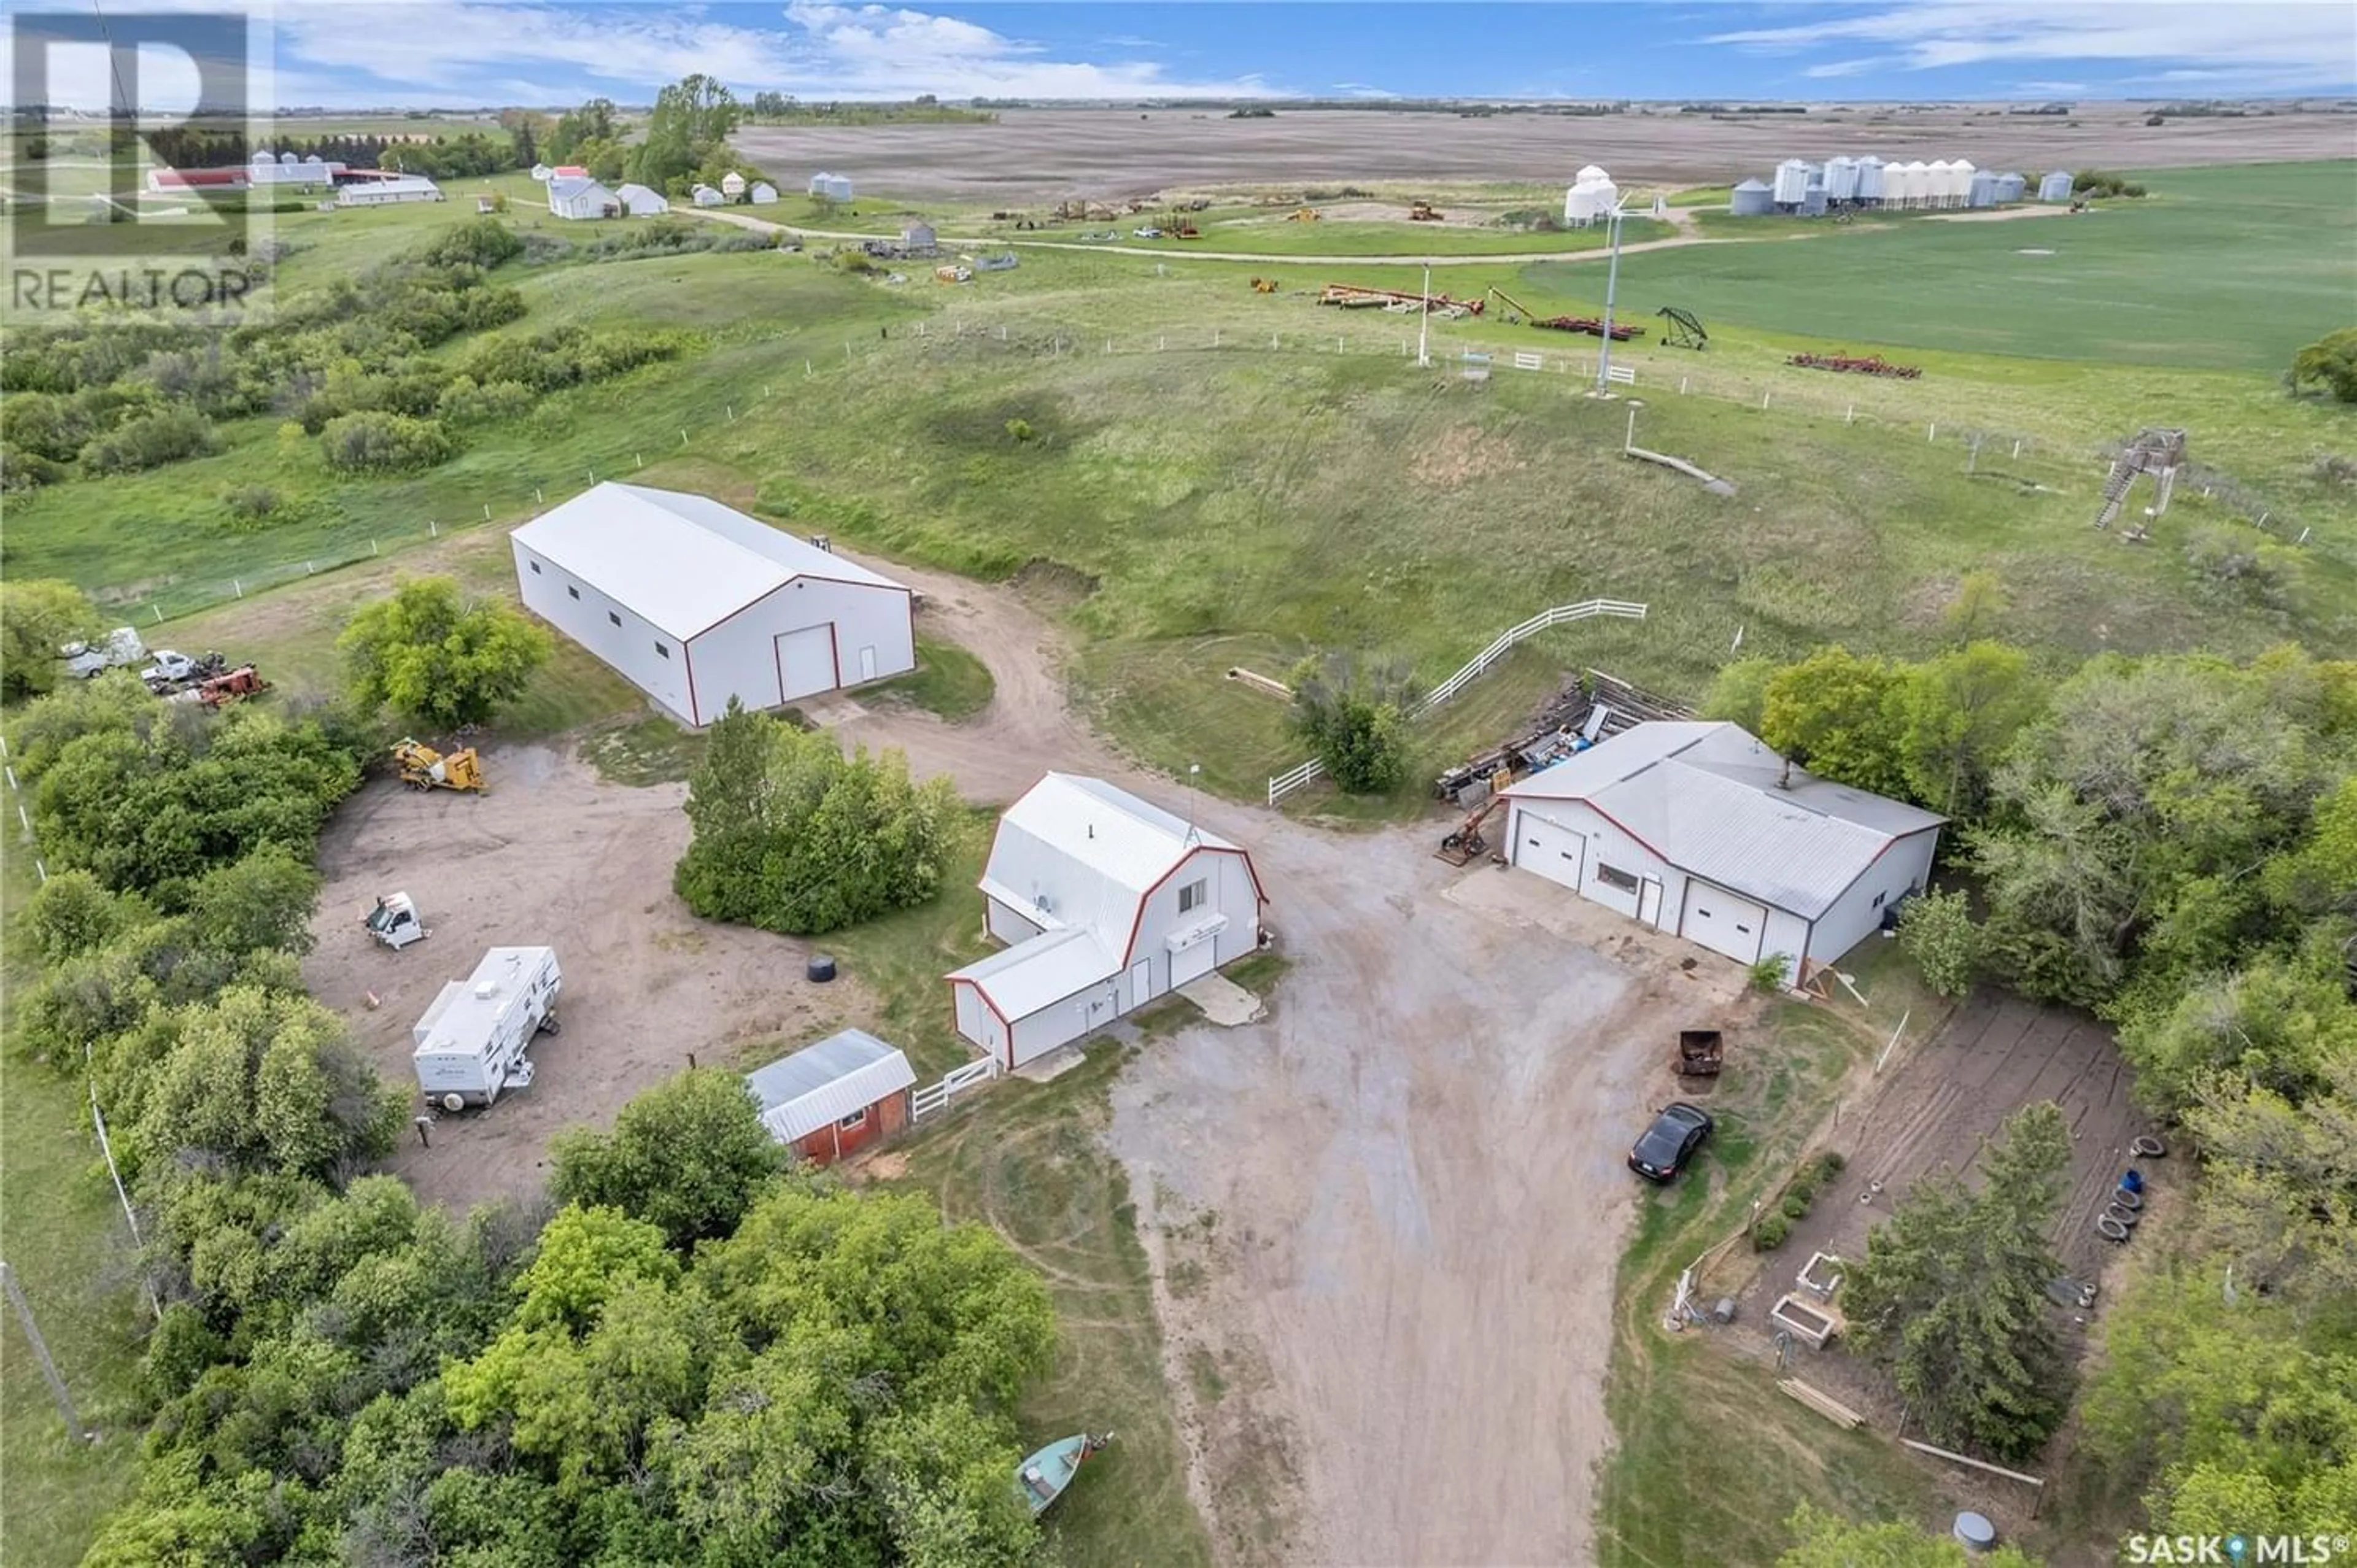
{"x": 2158, "y": 452}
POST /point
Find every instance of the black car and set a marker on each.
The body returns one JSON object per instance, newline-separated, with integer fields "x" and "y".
{"x": 1670, "y": 1142}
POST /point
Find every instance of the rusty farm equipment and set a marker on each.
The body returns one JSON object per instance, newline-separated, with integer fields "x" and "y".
{"x": 1422, "y": 212}
{"x": 1304, "y": 215}
{"x": 1591, "y": 325}
{"x": 1263, "y": 285}
{"x": 1350, "y": 296}
{"x": 221, "y": 690}
{"x": 1856, "y": 364}
{"x": 1465, "y": 844}
{"x": 1591, "y": 708}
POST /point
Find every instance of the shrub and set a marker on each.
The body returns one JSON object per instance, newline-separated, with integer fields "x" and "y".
{"x": 1828, "y": 1166}
{"x": 1768, "y": 973}
{"x": 1936, "y": 930}
{"x": 481, "y": 242}
{"x": 149, "y": 441}
{"x": 1020, "y": 429}
{"x": 1355, "y": 716}
{"x": 466, "y": 401}
{"x": 373, "y": 442}
{"x": 1770, "y": 1233}
{"x": 1795, "y": 1205}
{"x": 433, "y": 656}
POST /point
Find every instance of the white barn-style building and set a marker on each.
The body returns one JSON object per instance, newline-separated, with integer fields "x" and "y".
{"x": 640, "y": 200}
{"x": 579, "y": 197}
{"x": 698, "y": 603}
{"x": 1106, "y": 901}
{"x": 1702, "y": 830}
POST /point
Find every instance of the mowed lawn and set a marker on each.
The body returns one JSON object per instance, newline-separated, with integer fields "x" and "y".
{"x": 2219, "y": 268}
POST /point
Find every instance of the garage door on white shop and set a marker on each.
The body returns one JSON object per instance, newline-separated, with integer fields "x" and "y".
{"x": 1553, "y": 852}
{"x": 1723, "y": 922}
{"x": 805, "y": 661}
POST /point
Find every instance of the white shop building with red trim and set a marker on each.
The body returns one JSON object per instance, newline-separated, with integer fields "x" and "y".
{"x": 695, "y": 602}
{"x": 1106, "y": 902}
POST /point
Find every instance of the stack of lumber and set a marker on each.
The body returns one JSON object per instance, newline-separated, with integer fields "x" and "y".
{"x": 1823, "y": 1403}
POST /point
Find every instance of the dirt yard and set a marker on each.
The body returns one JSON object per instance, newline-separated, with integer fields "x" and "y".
{"x": 551, "y": 855}
{"x": 1046, "y": 154}
{"x": 1938, "y": 1106}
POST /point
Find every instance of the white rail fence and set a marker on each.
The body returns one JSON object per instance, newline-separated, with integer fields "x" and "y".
{"x": 933, "y": 1097}
{"x": 1286, "y": 783}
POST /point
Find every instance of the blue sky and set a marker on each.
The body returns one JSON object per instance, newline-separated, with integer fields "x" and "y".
{"x": 420, "y": 52}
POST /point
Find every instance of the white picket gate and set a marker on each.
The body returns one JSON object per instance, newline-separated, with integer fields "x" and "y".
{"x": 1286, "y": 783}
{"x": 933, "y": 1097}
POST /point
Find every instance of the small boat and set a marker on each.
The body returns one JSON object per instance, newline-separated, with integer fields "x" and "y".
{"x": 1042, "y": 1477}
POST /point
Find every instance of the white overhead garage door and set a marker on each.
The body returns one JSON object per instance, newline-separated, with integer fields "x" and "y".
{"x": 1553, "y": 852}
{"x": 1723, "y": 922}
{"x": 805, "y": 661}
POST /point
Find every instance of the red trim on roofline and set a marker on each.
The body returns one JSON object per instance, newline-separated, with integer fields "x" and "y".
{"x": 1137, "y": 922}
{"x": 957, "y": 980}
{"x": 1633, "y": 838}
{"x": 781, "y": 588}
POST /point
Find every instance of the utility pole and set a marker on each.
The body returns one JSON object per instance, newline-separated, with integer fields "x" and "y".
{"x": 41, "y": 1353}
{"x": 1424, "y": 322}
{"x": 1611, "y": 289}
{"x": 1194, "y": 772}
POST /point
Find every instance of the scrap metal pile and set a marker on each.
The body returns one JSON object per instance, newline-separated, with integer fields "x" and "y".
{"x": 1590, "y": 707}
{"x": 1350, "y": 296}
{"x": 1866, "y": 365}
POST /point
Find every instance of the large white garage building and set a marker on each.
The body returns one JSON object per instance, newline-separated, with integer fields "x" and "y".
{"x": 698, "y": 603}
{"x": 1700, "y": 830}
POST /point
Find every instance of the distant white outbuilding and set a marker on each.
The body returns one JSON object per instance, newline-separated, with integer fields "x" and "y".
{"x": 1107, "y": 901}
{"x": 696, "y": 603}
{"x": 1592, "y": 196}
{"x": 763, "y": 194}
{"x": 732, "y": 185}
{"x": 704, "y": 196}
{"x": 579, "y": 197}
{"x": 388, "y": 192}
{"x": 642, "y": 201}
{"x": 1700, "y": 831}
{"x": 834, "y": 187}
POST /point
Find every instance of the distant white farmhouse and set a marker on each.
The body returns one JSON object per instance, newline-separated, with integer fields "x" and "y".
{"x": 1108, "y": 901}
{"x": 579, "y": 197}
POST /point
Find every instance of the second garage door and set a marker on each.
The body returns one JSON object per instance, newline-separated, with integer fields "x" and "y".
{"x": 806, "y": 662}
{"x": 1551, "y": 850}
{"x": 1723, "y": 922}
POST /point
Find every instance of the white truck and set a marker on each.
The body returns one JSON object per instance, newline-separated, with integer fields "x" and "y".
{"x": 471, "y": 1042}
{"x": 86, "y": 661}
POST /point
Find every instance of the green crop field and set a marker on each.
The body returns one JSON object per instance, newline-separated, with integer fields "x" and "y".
{"x": 2225, "y": 268}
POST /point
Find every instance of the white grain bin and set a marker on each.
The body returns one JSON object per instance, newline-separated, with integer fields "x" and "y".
{"x": 264, "y": 156}
{"x": 287, "y": 158}
{"x": 2055, "y": 187}
{"x": 1938, "y": 175}
{"x": 704, "y": 196}
{"x": 1960, "y": 181}
{"x": 469, "y": 1045}
{"x": 1983, "y": 190}
{"x": 2009, "y": 187}
{"x": 1909, "y": 182}
{"x": 1792, "y": 182}
{"x": 1841, "y": 178}
{"x": 1869, "y": 179}
{"x": 732, "y": 185}
{"x": 763, "y": 194}
{"x": 1752, "y": 199}
{"x": 314, "y": 159}
{"x": 834, "y": 187}
{"x": 1588, "y": 200}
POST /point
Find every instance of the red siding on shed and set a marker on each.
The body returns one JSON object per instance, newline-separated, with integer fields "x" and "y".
{"x": 830, "y": 1143}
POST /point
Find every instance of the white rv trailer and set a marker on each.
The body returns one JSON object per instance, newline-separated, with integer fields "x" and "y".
{"x": 470, "y": 1044}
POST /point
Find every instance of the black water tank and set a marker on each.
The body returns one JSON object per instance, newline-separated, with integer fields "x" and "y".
{"x": 821, "y": 968}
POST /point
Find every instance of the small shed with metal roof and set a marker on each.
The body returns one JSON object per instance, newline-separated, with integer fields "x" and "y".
{"x": 1106, "y": 901}
{"x": 696, "y": 603}
{"x": 834, "y": 1097}
{"x": 1700, "y": 830}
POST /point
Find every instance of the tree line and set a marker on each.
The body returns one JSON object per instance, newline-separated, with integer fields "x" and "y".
{"x": 350, "y": 365}
{"x": 689, "y": 1351}
{"x": 2170, "y": 841}
{"x": 466, "y": 154}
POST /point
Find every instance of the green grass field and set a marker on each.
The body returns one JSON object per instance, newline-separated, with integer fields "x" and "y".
{"x": 2220, "y": 268}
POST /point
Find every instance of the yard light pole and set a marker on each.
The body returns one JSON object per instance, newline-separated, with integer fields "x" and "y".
{"x": 1194, "y": 771}
{"x": 1611, "y": 288}
{"x": 1424, "y": 322}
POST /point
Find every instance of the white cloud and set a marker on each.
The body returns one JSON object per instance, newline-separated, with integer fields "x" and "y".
{"x": 1859, "y": 67}
{"x": 1362, "y": 89}
{"x": 2265, "y": 46}
{"x": 420, "y": 52}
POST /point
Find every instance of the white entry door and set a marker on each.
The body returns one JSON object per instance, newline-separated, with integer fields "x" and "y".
{"x": 1648, "y": 902}
{"x": 1141, "y": 981}
{"x": 1189, "y": 964}
{"x": 806, "y": 662}
{"x": 1723, "y": 922}
{"x": 867, "y": 662}
{"x": 1555, "y": 853}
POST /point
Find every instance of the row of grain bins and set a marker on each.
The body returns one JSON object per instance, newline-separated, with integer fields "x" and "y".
{"x": 1812, "y": 189}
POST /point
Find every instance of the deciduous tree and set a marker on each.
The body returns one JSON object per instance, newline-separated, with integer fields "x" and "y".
{"x": 1354, "y": 714}
{"x": 1838, "y": 714}
{"x": 2330, "y": 362}
{"x": 1936, "y": 930}
{"x": 1823, "y": 1540}
{"x": 689, "y": 1156}
{"x": 437, "y": 657}
{"x": 38, "y": 617}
